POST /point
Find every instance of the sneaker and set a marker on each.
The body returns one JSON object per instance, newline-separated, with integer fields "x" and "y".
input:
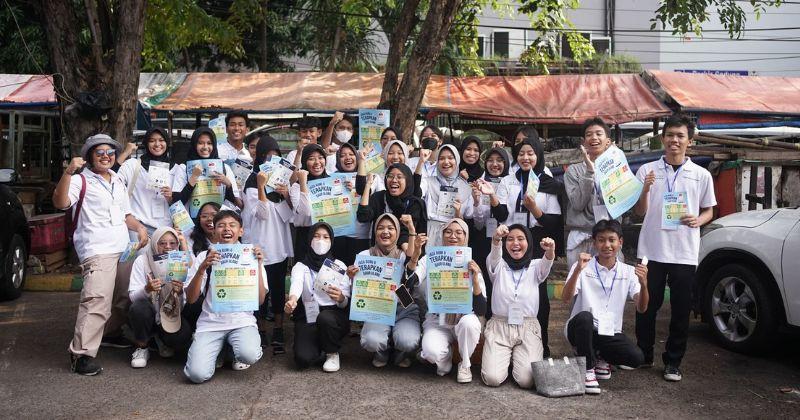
{"x": 404, "y": 363}
{"x": 445, "y": 370}
{"x": 84, "y": 365}
{"x": 331, "y": 362}
{"x": 164, "y": 350}
{"x": 672, "y": 373}
{"x": 380, "y": 360}
{"x": 237, "y": 365}
{"x": 602, "y": 369}
{"x": 592, "y": 386}
{"x": 464, "y": 374}
{"x": 117, "y": 342}
{"x": 140, "y": 357}
{"x": 626, "y": 367}
{"x": 277, "y": 341}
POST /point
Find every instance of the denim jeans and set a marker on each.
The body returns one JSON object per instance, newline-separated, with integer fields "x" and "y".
{"x": 202, "y": 357}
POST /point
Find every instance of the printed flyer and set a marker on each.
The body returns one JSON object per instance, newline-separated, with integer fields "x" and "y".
{"x": 234, "y": 280}
{"x": 178, "y": 265}
{"x": 181, "y": 219}
{"x": 373, "y": 298}
{"x": 449, "y": 286}
{"x": 158, "y": 175}
{"x": 619, "y": 186}
{"x": 371, "y": 123}
{"x": 332, "y": 203}
{"x": 241, "y": 171}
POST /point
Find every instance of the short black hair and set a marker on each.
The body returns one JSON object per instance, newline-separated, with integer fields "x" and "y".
{"x": 227, "y": 213}
{"x": 607, "y": 226}
{"x": 309, "y": 122}
{"x": 528, "y": 131}
{"x": 598, "y": 122}
{"x": 435, "y": 130}
{"x": 346, "y": 118}
{"x": 251, "y": 138}
{"x": 237, "y": 113}
{"x": 679, "y": 120}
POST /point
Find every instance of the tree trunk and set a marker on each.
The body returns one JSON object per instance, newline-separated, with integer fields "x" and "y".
{"x": 337, "y": 43}
{"x": 263, "y": 63}
{"x": 423, "y": 58}
{"x": 397, "y": 49}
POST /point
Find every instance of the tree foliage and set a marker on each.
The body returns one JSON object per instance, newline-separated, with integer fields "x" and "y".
{"x": 15, "y": 57}
{"x": 689, "y": 16}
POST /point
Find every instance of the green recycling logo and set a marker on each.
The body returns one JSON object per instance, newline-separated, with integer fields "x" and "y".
{"x": 221, "y": 293}
{"x": 437, "y": 295}
{"x": 612, "y": 199}
{"x": 361, "y": 304}
{"x": 196, "y": 202}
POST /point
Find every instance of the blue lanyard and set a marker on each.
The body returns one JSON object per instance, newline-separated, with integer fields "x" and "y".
{"x": 671, "y": 186}
{"x": 522, "y": 189}
{"x": 110, "y": 191}
{"x": 517, "y": 281}
{"x": 611, "y": 289}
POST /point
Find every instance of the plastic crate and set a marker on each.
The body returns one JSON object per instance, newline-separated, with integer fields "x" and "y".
{"x": 48, "y": 233}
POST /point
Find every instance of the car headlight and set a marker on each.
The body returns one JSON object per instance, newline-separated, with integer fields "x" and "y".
{"x": 705, "y": 230}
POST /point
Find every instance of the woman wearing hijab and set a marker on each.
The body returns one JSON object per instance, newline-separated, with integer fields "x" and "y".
{"x": 152, "y": 296}
{"x": 312, "y": 161}
{"x": 514, "y": 335}
{"x": 540, "y": 214}
{"x": 150, "y": 206}
{"x": 320, "y": 318}
{"x": 203, "y": 146}
{"x": 345, "y": 248}
{"x": 266, "y": 219}
{"x": 470, "y": 167}
{"x": 446, "y": 194}
{"x": 406, "y": 331}
{"x": 440, "y": 331}
{"x": 395, "y": 152}
{"x": 397, "y": 198}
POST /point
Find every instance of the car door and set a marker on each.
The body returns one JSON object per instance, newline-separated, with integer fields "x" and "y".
{"x": 790, "y": 265}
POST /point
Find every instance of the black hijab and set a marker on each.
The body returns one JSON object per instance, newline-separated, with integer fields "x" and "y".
{"x": 266, "y": 144}
{"x": 192, "y": 154}
{"x": 547, "y": 184}
{"x": 474, "y": 171}
{"x": 506, "y": 161}
{"x": 525, "y": 261}
{"x": 338, "y": 157}
{"x": 312, "y": 260}
{"x": 307, "y": 151}
{"x": 398, "y": 204}
{"x": 146, "y": 157}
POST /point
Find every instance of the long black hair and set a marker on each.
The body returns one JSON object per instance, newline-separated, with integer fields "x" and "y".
{"x": 198, "y": 236}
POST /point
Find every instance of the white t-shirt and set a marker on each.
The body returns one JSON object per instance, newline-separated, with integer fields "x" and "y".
{"x": 147, "y": 205}
{"x": 228, "y": 153}
{"x": 101, "y": 227}
{"x": 547, "y": 203}
{"x": 266, "y": 224}
{"x": 210, "y": 320}
{"x": 430, "y": 168}
{"x": 301, "y": 204}
{"x": 506, "y": 283}
{"x": 608, "y": 292}
{"x": 681, "y": 245}
{"x": 433, "y": 196}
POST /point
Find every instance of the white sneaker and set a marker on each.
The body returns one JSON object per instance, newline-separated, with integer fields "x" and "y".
{"x": 445, "y": 370}
{"x": 592, "y": 386}
{"x": 331, "y": 362}
{"x": 464, "y": 374}
{"x": 380, "y": 360}
{"x": 164, "y": 350}
{"x": 237, "y": 365}
{"x": 602, "y": 369}
{"x": 140, "y": 357}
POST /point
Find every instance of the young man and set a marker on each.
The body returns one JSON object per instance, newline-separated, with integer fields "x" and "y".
{"x": 308, "y": 131}
{"x": 586, "y": 205}
{"x": 215, "y": 329}
{"x": 236, "y": 125}
{"x": 598, "y": 288}
{"x": 677, "y": 199}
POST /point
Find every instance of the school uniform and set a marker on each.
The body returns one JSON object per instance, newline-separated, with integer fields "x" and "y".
{"x": 345, "y": 248}
{"x": 672, "y": 253}
{"x": 215, "y": 329}
{"x": 440, "y": 211}
{"x": 584, "y": 198}
{"x": 428, "y": 168}
{"x": 513, "y": 336}
{"x": 484, "y": 223}
{"x": 600, "y": 296}
{"x": 229, "y": 154}
{"x": 147, "y": 205}
{"x": 181, "y": 190}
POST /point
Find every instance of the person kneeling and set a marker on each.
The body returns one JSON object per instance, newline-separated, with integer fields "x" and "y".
{"x": 215, "y": 329}
{"x": 514, "y": 334}
{"x": 598, "y": 288}
{"x": 322, "y": 321}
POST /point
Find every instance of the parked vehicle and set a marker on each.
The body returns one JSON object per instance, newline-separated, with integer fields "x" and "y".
{"x": 15, "y": 239}
{"x": 748, "y": 277}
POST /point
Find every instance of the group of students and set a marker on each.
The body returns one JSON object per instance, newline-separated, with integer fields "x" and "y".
{"x": 444, "y": 196}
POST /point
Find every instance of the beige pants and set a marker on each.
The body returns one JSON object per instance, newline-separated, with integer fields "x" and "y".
{"x": 104, "y": 302}
{"x": 503, "y": 344}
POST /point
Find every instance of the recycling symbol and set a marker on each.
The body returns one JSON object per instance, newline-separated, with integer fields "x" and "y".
{"x": 361, "y": 304}
{"x": 612, "y": 199}
{"x": 196, "y": 202}
{"x": 437, "y": 295}
{"x": 221, "y": 293}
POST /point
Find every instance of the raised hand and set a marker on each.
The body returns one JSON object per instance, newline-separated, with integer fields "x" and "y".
{"x": 75, "y": 164}
{"x": 500, "y": 233}
{"x": 587, "y": 160}
{"x": 583, "y": 261}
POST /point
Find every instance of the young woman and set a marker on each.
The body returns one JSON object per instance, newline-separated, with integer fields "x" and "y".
{"x": 440, "y": 332}
{"x": 320, "y": 319}
{"x": 149, "y": 291}
{"x": 514, "y": 335}
{"x": 397, "y": 198}
{"x": 390, "y": 134}
{"x": 150, "y": 206}
{"x": 312, "y": 162}
{"x": 345, "y": 248}
{"x": 199, "y": 240}
{"x": 446, "y": 194}
{"x": 395, "y": 151}
{"x": 266, "y": 219}
{"x": 470, "y": 167}
{"x": 429, "y": 162}
{"x": 203, "y": 146}
{"x": 542, "y": 214}
{"x": 406, "y": 331}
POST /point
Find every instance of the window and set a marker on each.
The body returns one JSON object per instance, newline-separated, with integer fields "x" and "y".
{"x": 601, "y": 44}
{"x": 501, "y": 44}
{"x": 480, "y": 47}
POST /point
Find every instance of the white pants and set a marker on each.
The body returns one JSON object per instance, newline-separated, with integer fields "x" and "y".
{"x": 436, "y": 340}
{"x": 504, "y": 344}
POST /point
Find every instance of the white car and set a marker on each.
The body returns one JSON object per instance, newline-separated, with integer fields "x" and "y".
{"x": 748, "y": 277}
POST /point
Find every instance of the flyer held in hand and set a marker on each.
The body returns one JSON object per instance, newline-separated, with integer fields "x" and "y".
{"x": 449, "y": 286}
{"x": 206, "y": 190}
{"x": 331, "y": 202}
{"x": 234, "y": 280}
{"x": 373, "y": 298}
{"x": 181, "y": 218}
{"x": 619, "y": 186}
{"x": 178, "y": 265}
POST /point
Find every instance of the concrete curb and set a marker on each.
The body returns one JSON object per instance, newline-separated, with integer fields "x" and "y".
{"x": 53, "y": 283}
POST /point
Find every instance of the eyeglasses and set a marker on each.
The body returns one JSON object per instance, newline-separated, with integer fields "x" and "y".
{"x": 164, "y": 244}
{"x": 456, "y": 233}
{"x": 106, "y": 152}
{"x": 392, "y": 177}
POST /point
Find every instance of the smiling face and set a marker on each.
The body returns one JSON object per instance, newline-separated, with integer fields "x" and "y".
{"x": 607, "y": 243}
{"x": 236, "y": 129}
{"x": 322, "y": 234}
{"x": 167, "y": 243}
{"x": 204, "y": 146}
{"x": 103, "y": 158}
{"x": 516, "y": 244}
{"x": 471, "y": 153}
{"x": 316, "y": 164}
{"x": 595, "y": 140}
{"x": 454, "y": 235}
{"x": 156, "y": 144}
{"x": 526, "y": 158}
{"x": 495, "y": 165}
{"x": 395, "y": 155}
{"x": 228, "y": 230}
{"x": 206, "y": 218}
{"x": 676, "y": 140}
{"x": 386, "y": 233}
{"x": 395, "y": 182}
{"x": 447, "y": 162}
{"x": 347, "y": 159}
{"x": 388, "y": 136}
{"x": 251, "y": 148}
{"x": 308, "y": 135}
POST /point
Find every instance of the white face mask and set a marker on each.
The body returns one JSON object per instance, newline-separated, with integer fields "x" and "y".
{"x": 343, "y": 136}
{"x": 321, "y": 246}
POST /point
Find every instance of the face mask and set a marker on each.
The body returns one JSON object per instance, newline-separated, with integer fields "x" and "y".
{"x": 321, "y": 246}
{"x": 343, "y": 136}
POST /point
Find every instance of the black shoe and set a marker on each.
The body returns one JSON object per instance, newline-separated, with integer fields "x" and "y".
{"x": 84, "y": 365}
{"x": 276, "y": 350}
{"x": 672, "y": 373}
{"x": 270, "y": 317}
{"x": 277, "y": 337}
{"x": 264, "y": 338}
{"x": 648, "y": 361}
{"x": 117, "y": 342}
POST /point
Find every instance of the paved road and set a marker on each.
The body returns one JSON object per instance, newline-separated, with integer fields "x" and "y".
{"x": 35, "y": 382}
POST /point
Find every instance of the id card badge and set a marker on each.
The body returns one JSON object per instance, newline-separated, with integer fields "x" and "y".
{"x": 312, "y": 310}
{"x": 515, "y": 314}
{"x": 447, "y": 198}
{"x": 117, "y": 217}
{"x": 520, "y": 219}
{"x": 159, "y": 210}
{"x": 605, "y": 323}
{"x": 491, "y": 227}
{"x": 675, "y": 207}
{"x": 600, "y": 213}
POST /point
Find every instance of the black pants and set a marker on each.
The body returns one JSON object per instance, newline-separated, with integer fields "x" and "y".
{"x": 345, "y": 248}
{"x": 312, "y": 341}
{"x": 617, "y": 349}
{"x": 301, "y": 242}
{"x": 481, "y": 245}
{"x": 680, "y": 278}
{"x": 276, "y": 279}
{"x": 544, "y": 317}
{"x": 142, "y": 319}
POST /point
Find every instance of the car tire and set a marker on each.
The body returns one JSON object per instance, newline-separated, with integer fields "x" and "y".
{"x": 13, "y": 269}
{"x": 740, "y": 309}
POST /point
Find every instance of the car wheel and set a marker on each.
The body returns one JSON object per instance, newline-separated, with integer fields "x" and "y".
{"x": 13, "y": 269}
{"x": 740, "y": 309}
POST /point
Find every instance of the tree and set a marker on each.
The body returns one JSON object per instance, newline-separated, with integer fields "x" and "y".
{"x": 23, "y": 49}
{"x": 689, "y": 16}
